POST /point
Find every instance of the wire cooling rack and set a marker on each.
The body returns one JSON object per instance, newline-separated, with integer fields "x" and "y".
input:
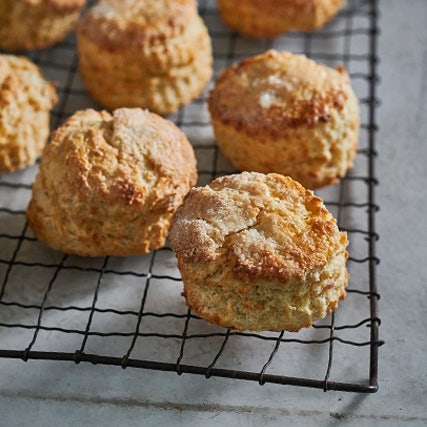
{"x": 129, "y": 312}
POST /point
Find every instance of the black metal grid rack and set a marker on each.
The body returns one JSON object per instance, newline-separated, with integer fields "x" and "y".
{"x": 128, "y": 311}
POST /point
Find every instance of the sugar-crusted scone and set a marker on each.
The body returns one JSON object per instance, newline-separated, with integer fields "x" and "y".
{"x": 109, "y": 184}
{"x": 284, "y": 113}
{"x": 36, "y": 24}
{"x": 270, "y": 18}
{"x": 259, "y": 252}
{"x": 26, "y": 99}
{"x": 153, "y": 54}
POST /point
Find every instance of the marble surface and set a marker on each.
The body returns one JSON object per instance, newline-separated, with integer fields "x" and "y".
{"x": 41, "y": 393}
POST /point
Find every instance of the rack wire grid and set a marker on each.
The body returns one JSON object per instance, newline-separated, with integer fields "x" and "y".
{"x": 129, "y": 311}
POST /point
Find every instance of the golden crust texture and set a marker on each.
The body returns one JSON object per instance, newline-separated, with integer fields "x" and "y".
{"x": 36, "y": 24}
{"x": 109, "y": 184}
{"x": 26, "y": 99}
{"x": 280, "y": 112}
{"x": 153, "y": 54}
{"x": 259, "y": 252}
{"x": 270, "y": 18}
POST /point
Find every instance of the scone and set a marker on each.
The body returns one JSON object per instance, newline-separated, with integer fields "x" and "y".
{"x": 108, "y": 184}
{"x": 284, "y": 113}
{"x": 153, "y": 54}
{"x": 259, "y": 252}
{"x": 26, "y": 99}
{"x": 270, "y": 18}
{"x": 36, "y": 24}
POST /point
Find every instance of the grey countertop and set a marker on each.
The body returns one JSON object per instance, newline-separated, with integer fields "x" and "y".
{"x": 46, "y": 393}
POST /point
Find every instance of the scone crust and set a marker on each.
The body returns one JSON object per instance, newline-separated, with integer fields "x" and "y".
{"x": 26, "y": 99}
{"x": 261, "y": 18}
{"x": 115, "y": 24}
{"x": 36, "y": 24}
{"x": 55, "y": 4}
{"x": 271, "y": 92}
{"x": 153, "y": 54}
{"x": 161, "y": 77}
{"x": 281, "y": 112}
{"x": 109, "y": 183}
{"x": 59, "y": 5}
{"x": 259, "y": 252}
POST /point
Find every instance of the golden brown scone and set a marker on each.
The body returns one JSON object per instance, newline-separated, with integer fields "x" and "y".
{"x": 26, "y": 99}
{"x": 36, "y": 24}
{"x": 280, "y": 112}
{"x": 153, "y": 54}
{"x": 270, "y": 18}
{"x": 109, "y": 184}
{"x": 259, "y": 252}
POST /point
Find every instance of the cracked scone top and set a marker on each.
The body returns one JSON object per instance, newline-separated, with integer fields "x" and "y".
{"x": 135, "y": 22}
{"x": 259, "y": 252}
{"x": 284, "y": 113}
{"x": 109, "y": 184}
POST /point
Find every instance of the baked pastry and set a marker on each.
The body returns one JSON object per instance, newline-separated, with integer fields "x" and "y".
{"x": 108, "y": 184}
{"x": 153, "y": 54}
{"x": 259, "y": 252}
{"x": 26, "y": 99}
{"x": 270, "y": 18}
{"x": 280, "y": 112}
{"x": 36, "y": 24}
